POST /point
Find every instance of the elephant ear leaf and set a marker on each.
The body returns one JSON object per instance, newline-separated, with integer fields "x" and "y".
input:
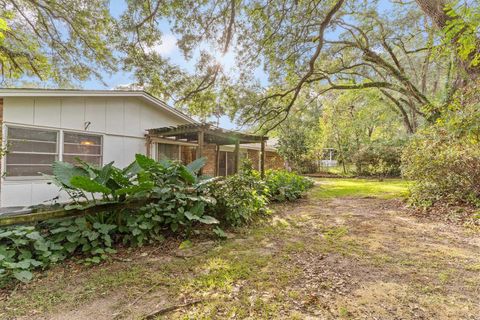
{"x": 145, "y": 162}
{"x": 105, "y": 173}
{"x": 64, "y": 172}
{"x": 196, "y": 165}
{"x": 85, "y": 183}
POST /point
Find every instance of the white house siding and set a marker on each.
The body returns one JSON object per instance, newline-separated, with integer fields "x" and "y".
{"x": 121, "y": 120}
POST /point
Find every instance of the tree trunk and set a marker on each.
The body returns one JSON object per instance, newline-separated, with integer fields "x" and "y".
{"x": 435, "y": 10}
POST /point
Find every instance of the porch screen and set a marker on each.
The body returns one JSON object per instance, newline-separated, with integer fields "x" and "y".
{"x": 31, "y": 152}
{"x": 168, "y": 151}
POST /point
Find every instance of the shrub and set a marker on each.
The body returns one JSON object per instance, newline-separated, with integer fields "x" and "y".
{"x": 23, "y": 248}
{"x": 379, "y": 159}
{"x": 239, "y": 197}
{"x": 286, "y": 186}
{"x": 444, "y": 159}
{"x": 443, "y": 169}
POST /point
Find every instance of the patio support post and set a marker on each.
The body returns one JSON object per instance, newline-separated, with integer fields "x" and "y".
{"x": 237, "y": 155}
{"x": 200, "y": 140}
{"x": 217, "y": 160}
{"x": 148, "y": 145}
{"x": 262, "y": 158}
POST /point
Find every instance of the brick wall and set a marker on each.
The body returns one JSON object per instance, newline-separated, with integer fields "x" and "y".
{"x": 274, "y": 161}
{"x": 209, "y": 151}
{"x": 254, "y": 156}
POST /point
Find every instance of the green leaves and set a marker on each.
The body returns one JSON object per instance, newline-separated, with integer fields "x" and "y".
{"x": 89, "y": 185}
{"x": 63, "y": 172}
{"x": 173, "y": 204}
{"x": 145, "y": 162}
{"x": 23, "y": 275}
{"x": 196, "y": 165}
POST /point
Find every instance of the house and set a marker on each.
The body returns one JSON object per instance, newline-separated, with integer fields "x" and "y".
{"x": 40, "y": 126}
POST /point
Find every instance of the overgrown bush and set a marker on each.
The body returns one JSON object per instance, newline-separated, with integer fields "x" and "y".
{"x": 286, "y": 186}
{"x": 443, "y": 160}
{"x": 24, "y": 248}
{"x": 239, "y": 197}
{"x": 379, "y": 159}
{"x": 443, "y": 170}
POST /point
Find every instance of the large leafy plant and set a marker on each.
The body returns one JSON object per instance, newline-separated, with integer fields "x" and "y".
{"x": 169, "y": 195}
{"x": 286, "y": 186}
{"x": 240, "y": 197}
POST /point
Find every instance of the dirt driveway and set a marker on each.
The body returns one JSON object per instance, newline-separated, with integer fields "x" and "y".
{"x": 341, "y": 256}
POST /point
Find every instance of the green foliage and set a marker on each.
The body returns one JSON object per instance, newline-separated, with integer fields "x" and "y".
{"x": 379, "y": 159}
{"x": 444, "y": 159}
{"x": 176, "y": 201}
{"x": 443, "y": 170}
{"x": 363, "y": 133}
{"x": 239, "y": 197}
{"x": 242, "y": 196}
{"x": 298, "y": 136}
{"x": 59, "y": 40}
{"x": 462, "y": 29}
{"x": 286, "y": 186}
{"x": 24, "y": 248}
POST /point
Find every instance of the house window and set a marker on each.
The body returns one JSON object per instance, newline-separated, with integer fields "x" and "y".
{"x": 86, "y": 147}
{"x": 168, "y": 151}
{"x": 31, "y": 152}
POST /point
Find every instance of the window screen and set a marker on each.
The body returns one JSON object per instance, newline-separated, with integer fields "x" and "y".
{"x": 86, "y": 147}
{"x": 31, "y": 152}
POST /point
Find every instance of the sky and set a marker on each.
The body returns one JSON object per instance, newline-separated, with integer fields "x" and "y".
{"x": 169, "y": 49}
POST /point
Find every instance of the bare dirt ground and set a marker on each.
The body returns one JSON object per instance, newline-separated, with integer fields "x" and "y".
{"x": 320, "y": 258}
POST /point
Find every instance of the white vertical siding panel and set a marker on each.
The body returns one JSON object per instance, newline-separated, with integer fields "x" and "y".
{"x": 115, "y": 115}
{"x": 113, "y": 150}
{"x": 148, "y": 117}
{"x": 132, "y": 146}
{"x": 47, "y": 111}
{"x": 18, "y": 109}
{"x": 132, "y": 117}
{"x": 152, "y": 117}
{"x": 73, "y": 113}
{"x": 95, "y": 112}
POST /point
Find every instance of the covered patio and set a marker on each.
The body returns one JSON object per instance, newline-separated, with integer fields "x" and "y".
{"x": 202, "y": 135}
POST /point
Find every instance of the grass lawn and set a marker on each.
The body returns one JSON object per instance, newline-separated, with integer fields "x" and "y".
{"x": 386, "y": 189}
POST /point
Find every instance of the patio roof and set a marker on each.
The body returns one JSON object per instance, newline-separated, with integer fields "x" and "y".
{"x": 199, "y": 134}
{"x": 211, "y": 134}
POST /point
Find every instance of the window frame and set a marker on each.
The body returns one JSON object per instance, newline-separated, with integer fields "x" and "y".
{"x": 59, "y": 147}
{"x": 5, "y": 145}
